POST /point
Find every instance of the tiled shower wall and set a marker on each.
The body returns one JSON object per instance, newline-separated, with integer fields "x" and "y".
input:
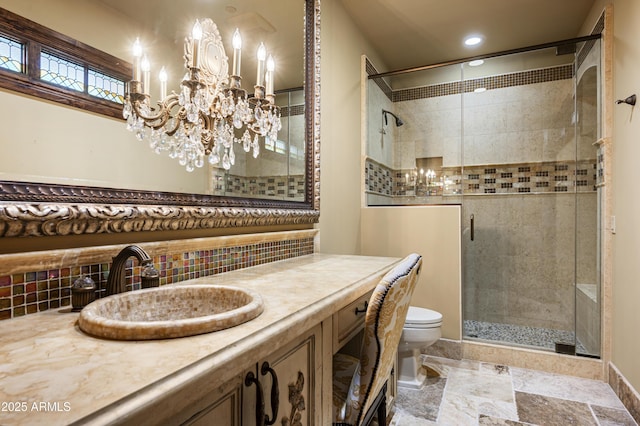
{"x": 29, "y": 292}
{"x": 523, "y": 263}
{"x": 533, "y": 197}
{"x": 519, "y": 136}
{"x": 275, "y": 175}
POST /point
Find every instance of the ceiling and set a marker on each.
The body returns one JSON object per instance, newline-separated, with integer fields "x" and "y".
{"x": 277, "y": 23}
{"x": 410, "y": 33}
{"x": 404, "y": 33}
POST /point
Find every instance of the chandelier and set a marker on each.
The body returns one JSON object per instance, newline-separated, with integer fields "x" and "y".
{"x": 211, "y": 112}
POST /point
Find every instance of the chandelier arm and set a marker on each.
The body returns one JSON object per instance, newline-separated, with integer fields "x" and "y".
{"x": 163, "y": 110}
{"x": 206, "y": 137}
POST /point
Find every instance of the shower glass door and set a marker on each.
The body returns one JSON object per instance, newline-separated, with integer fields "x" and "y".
{"x": 530, "y": 201}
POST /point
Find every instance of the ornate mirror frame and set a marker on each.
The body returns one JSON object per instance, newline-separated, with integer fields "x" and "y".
{"x": 37, "y": 209}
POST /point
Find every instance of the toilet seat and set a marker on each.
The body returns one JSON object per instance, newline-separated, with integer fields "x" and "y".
{"x": 422, "y": 318}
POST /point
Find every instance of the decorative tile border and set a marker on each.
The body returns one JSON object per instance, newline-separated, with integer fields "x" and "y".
{"x": 500, "y": 81}
{"x": 290, "y": 187}
{"x": 382, "y": 84}
{"x": 290, "y": 111}
{"x": 522, "y": 178}
{"x": 23, "y": 293}
{"x": 552, "y": 176}
{"x": 492, "y": 82}
{"x": 600, "y": 181}
{"x": 588, "y": 45}
{"x": 378, "y": 177}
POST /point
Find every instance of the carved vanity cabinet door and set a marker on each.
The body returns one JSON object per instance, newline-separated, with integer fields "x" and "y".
{"x": 291, "y": 390}
{"x": 222, "y": 407}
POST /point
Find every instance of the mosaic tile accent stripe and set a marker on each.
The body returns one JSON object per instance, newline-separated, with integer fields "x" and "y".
{"x": 378, "y": 178}
{"x": 600, "y": 166}
{"x": 564, "y": 176}
{"x": 31, "y": 292}
{"x": 588, "y": 45}
{"x": 290, "y": 111}
{"x": 493, "y": 82}
{"x": 288, "y": 187}
{"x": 408, "y": 183}
{"x": 525, "y": 178}
{"x": 382, "y": 84}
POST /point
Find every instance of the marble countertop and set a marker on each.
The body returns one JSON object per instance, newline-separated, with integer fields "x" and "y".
{"x": 53, "y": 373}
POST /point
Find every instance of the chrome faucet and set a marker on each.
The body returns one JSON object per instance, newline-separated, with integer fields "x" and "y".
{"x": 116, "y": 281}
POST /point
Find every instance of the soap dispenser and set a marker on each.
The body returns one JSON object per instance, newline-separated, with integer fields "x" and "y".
{"x": 83, "y": 292}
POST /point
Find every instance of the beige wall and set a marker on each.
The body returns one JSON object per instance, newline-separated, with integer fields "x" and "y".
{"x": 340, "y": 187}
{"x": 626, "y": 147}
{"x": 433, "y": 232}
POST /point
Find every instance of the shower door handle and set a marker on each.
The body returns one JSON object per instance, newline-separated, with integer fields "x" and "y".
{"x": 472, "y": 227}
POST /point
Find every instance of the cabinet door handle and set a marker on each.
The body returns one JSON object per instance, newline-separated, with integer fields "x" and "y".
{"x": 364, "y": 310}
{"x": 249, "y": 380}
{"x": 275, "y": 393}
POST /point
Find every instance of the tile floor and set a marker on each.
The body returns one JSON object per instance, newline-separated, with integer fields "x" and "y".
{"x": 476, "y": 393}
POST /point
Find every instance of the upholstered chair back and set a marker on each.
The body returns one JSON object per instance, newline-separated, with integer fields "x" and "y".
{"x": 385, "y": 317}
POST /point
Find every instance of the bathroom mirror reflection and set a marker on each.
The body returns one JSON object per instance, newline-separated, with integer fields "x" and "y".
{"x": 64, "y": 146}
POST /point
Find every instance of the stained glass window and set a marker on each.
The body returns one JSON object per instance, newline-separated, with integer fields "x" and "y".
{"x": 52, "y": 66}
{"x": 61, "y": 72}
{"x": 11, "y": 54}
{"x": 105, "y": 87}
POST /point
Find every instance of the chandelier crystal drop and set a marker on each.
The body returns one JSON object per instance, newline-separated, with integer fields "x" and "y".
{"x": 211, "y": 112}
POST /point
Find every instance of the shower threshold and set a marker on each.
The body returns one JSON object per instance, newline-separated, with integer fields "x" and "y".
{"x": 530, "y": 337}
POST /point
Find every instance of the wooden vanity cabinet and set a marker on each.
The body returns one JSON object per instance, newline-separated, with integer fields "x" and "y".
{"x": 349, "y": 321}
{"x": 289, "y": 384}
{"x": 285, "y": 383}
{"x": 223, "y": 407}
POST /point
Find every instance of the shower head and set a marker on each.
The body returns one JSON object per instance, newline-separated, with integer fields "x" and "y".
{"x": 399, "y": 121}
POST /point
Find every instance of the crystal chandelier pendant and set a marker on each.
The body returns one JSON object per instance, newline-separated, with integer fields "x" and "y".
{"x": 232, "y": 156}
{"x": 209, "y": 110}
{"x": 246, "y": 141}
{"x": 214, "y": 158}
{"x": 256, "y": 147}
{"x": 226, "y": 162}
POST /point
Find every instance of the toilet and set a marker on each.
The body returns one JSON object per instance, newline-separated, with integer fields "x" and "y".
{"x": 421, "y": 329}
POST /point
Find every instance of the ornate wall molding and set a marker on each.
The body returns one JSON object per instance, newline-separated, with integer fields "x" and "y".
{"x": 41, "y": 219}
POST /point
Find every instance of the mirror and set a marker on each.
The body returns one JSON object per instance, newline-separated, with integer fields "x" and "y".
{"x": 95, "y": 191}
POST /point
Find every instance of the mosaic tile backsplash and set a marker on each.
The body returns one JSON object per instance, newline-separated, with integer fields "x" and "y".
{"x": 37, "y": 291}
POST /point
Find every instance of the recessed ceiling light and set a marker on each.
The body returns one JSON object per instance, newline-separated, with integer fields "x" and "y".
{"x": 476, "y": 63}
{"x": 473, "y": 40}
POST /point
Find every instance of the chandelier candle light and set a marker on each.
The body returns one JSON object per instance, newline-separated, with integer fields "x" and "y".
{"x": 211, "y": 112}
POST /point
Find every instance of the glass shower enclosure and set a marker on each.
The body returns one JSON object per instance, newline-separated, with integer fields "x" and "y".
{"x": 514, "y": 139}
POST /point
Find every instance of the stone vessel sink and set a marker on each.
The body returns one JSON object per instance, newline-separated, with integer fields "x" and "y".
{"x": 169, "y": 311}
